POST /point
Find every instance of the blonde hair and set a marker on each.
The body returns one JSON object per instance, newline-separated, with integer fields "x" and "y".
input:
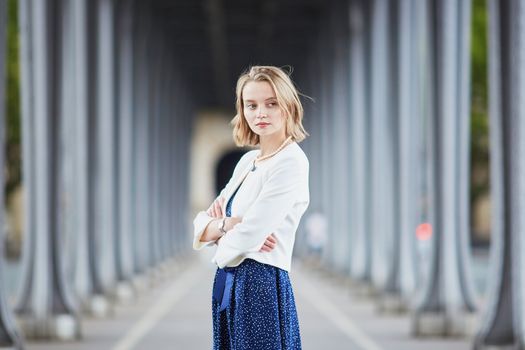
{"x": 287, "y": 99}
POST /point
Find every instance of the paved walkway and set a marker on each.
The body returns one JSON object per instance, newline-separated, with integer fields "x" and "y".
{"x": 176, "y": 315}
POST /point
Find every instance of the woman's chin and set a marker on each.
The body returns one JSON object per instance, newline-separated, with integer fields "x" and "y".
{"x": 260, "y": 132}
{"x": 264, "y": 132}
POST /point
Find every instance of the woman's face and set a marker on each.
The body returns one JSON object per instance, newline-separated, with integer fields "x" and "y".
{"x": 261, "y": 109}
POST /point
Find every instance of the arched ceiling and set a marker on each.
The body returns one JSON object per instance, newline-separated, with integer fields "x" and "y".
{"x": 218, "y": 39}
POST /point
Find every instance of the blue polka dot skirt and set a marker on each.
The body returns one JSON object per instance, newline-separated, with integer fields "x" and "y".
{"x": 261, "y": 314}
{"x": 253, "y": 307}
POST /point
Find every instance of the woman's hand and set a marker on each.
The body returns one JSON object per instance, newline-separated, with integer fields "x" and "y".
{"x": 269, "y": 244}
{"x": 229, "y": 222}
{"x": 215, "y": 209}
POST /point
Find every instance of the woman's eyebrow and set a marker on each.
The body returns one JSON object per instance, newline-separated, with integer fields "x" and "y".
{"x": 269, "y": 98}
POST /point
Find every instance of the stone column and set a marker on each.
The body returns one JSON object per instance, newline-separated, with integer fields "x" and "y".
{"x": 154, "y": 120}
{"x": 166, "y": 155}
{"x": 9, "y": 335}
{"x": 106, "y": 201}
{"x": 339, "y": 130}
{"x": 46, "y": 308}
{"x": 124, "y": 271}
{"x": 381, "y": 217}
{"x": 447, "y": 302}
{"x": 105, "y": 160}
{"x": 401, "y": 267}
{"x": 326, "y": 159}
{"x": 311, "y": 146}
{"x": 174, "y": 164}
{"x": 140, "y": 146}
{"x": 173, "y": 214}
{"x": 82, "y": 282}
{"x": 149, "y": 123}
{"x": 66, "y": 161}
{"x": 361, "y": 239}
{"x": 503, "y": 321}
{"x": 27, "y": 122}
{"x": 88, "y": 281}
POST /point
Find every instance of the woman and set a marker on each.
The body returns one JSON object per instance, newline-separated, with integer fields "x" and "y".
{"x": 254, "y": 219}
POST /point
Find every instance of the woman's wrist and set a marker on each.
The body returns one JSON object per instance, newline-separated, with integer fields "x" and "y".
{"x": 231, "y": 222}
{"x": 211, "y": 232}
{"x": 221, "y": 225}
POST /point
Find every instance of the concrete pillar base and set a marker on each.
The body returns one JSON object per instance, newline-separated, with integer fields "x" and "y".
{"x": 457, "y": 324}
{"x": 173, "y": 272}
{"x": 62, "y": 327}
{"x": 99, "y": 306}
{"x": 392, "y": 304}
{"x": 124, "y": 293}
{"x": 140, "y": 284}
{"x": 363, "y": 291}
{"x": 155, "y": 277}
{"x": 177, "y": 265}
{"x": 165, "y": 271}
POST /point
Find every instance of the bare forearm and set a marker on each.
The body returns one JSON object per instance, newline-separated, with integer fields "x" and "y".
{"x": 211, "y": 233}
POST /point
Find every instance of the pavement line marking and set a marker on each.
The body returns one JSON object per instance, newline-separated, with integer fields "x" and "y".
{"x": 160, "y": 309}
{"x": 342, "y": 321}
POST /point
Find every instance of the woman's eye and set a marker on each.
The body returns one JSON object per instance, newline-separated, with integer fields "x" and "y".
{"x": 251, "y": 106}
{"x": 271, "y": 104}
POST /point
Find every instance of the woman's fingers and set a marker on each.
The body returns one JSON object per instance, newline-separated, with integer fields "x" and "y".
{"x": 217, "y": 208}
{"x": 269, "y": 244}
{"x": 265, "y": 248}
{"x": 221, "y": 203}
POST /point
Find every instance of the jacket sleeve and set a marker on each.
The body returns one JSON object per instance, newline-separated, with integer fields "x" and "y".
{"x": 200, "y": 223}
{"x": 275, "y": 201}
{"x": 202, "y": 219}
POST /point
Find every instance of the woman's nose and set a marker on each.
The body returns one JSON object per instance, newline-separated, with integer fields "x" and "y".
{"x": 262, "y": 113}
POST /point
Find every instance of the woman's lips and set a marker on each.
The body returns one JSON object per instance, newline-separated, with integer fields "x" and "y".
{"x": 262, "y": 125}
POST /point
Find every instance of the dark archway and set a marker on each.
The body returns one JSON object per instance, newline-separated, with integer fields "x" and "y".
{"x": 225, "y": 166}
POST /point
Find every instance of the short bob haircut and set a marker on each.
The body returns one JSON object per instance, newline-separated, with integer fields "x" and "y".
{"x": 287, "y": 99}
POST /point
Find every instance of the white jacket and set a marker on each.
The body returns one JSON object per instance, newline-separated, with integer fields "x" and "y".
{"x": 272, "y": 199}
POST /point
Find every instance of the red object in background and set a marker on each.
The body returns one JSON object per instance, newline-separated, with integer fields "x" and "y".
{"x": 424, "y": 232}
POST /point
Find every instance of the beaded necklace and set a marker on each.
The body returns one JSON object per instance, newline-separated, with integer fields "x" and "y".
{"x": 260, "y": 159}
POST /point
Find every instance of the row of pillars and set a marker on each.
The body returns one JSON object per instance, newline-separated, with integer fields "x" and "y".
{"x": 105, "y": 120}
{"x": 390, "y": 150}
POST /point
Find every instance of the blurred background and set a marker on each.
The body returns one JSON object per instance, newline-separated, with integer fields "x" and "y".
{"x": 116, "y": 117}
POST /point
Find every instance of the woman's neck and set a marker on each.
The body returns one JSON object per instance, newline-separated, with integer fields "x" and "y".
{"x": 270, "y": 143}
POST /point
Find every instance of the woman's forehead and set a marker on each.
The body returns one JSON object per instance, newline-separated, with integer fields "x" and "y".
{"x": 258, "y": 90}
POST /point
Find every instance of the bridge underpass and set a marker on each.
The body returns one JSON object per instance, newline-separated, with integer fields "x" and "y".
{"x": 125, "y": 110}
